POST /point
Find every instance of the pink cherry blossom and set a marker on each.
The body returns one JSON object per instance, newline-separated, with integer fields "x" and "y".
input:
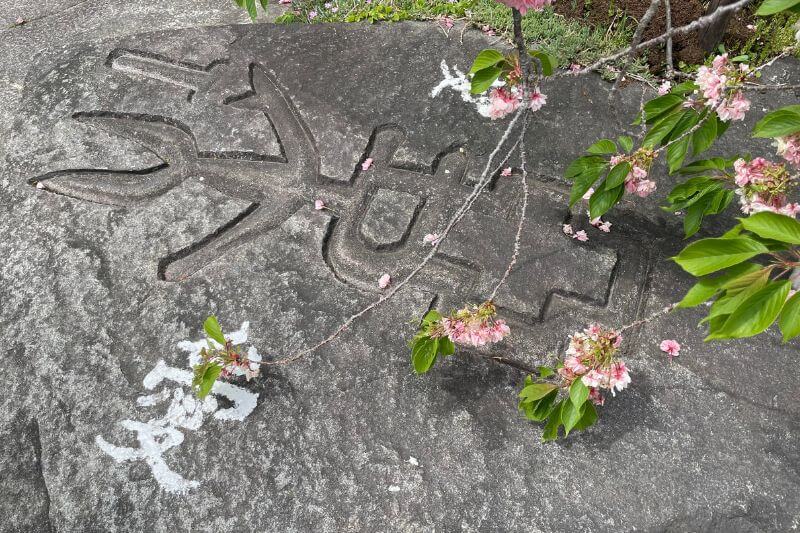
{"x": 524, "y": 5}
{"x": 537, "y": 101}
{"x": 487, "y": 30}
{"x": 594, "y": 379}
{"x": 312, "y": 15}
{"x": 367, "y": 163}
{"x": 567, "y": 229}
{"x": 319, "y": 204}
{"x": 581, "y": 236}
{"x": 384, "y": 281}
{"x": 574, "y": 67}
{"x": 603, "y": 226}
{"x": 789, "y": 148}
{"x": 596, "y": 397}
{"x": 574, "y": 365}
{"x": 506, "y": 172}
{"x": 475, "y": 326}
{"x": 664, "y": 88}
{"x": 670, "y": 347}
{"x": 618, "y": 377}
{"x": 446, "y": 22}
{"x": 430, "y": 238}
{"x": 711, "y": 84}
{"x": 734, "y": 108}
{"x": 501, "y": 103}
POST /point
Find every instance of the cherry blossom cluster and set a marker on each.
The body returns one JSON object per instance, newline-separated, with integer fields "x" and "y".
{"x": 762, "y": 186}
{"x": 718, "y": 88}
{"x": 524, "y": 5}
{"x": 474, "y": 325}
{"x": 505, "y": 100}
{"x": 232, "y": 359}
{"x": 789, "y": 148}
{"x": 590, "y": 357}
{"x": 636, "y": 181}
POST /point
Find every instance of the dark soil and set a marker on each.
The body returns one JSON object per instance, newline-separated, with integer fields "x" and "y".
{"x": 604, "y": 13}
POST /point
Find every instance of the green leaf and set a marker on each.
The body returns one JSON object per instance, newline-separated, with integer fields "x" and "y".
{"x": 709, "y": 255}
{"x": 213, "y": 330}
{"x": 589, "y": 417}
{"x": 688, "y": 189}
{"x": 603, "y": 146}
{"x": 431, "y": 317}
{"x": 578, "y": 392}
{"x": 423, "y": 354}
{"x": 770, "y": 7}
{"x": 446, "y": 346}
{"x": 251, "y": 9}
{"x": 553, "y": 421}
{"x": 703, "y": 165}
{"x": 689, "y": 119}
{"x": 755, "y": 314}
{"x": 264, "y": 4}
{"x": 617, "y": 175}
{"x": 694, "y": 215}
{"x": 779, "y": 123}
{"x": 584, "y": 171}
{"x": 548, "y": 62}
{"x": 625, "y": 142}
{"x": 534, "y": 391}
{"x": 757, "y": 276}
{"x": 585, "y": 164}
{"x": 604, "y": 199}
{"x": 704, "y": 136}
{"x": 661, "y": 129}
{"x": 546, "y": 371}
{"x": 205, "y": 375}
{"x": 684, "y": 87}
{"x": 540, "y": 409}
{"x": 485, "y": 59}
{"x": 483, "y": 79}
{"x": 790, "y": 318}
{"x": 773, "y": 226}
{"x": 570, "y": 416}
{"x": 676, "y": 153}
{"x": 660, "y": 106}
{"x": 708, "y": 287}
{"x": 728, "y": 303}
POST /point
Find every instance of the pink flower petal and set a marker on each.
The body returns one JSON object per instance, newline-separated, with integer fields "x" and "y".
{"x": 367, "y": 164}
{"x": 319, "y": 204}
{"x": 384, "y": 281}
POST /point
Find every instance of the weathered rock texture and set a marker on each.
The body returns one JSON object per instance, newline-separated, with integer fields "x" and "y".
{"x": 179, "y": 171}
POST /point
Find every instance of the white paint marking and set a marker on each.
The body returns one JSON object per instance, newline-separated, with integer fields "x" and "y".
{"x": 185, "y": 411}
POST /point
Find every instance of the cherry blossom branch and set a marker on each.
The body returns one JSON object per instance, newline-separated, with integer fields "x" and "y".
{"x": 773, "y": 87}
{"x": 484, "y": 180}
{"x": 670, "y": 68}
{"x": 525, "y": 367}
{"x": 643, "y": 321}
{"x": 697, "y": 24}
{"x": 525, "y": 192}
{"x": 637, "y": 38}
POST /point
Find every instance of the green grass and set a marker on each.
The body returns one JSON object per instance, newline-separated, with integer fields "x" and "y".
{"x": 570, "y": 41}
{"x": 771, "y": 36}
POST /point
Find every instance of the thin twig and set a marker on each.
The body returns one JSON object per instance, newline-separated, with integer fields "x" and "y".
{"x": 521, "y": 224}
{"x": 700, "y": 23}
{"x": 637, "y": 38}
{"x": 485, "y": 178}
{"x": 650, "y": 318}
{"x": 670, "y": 68}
